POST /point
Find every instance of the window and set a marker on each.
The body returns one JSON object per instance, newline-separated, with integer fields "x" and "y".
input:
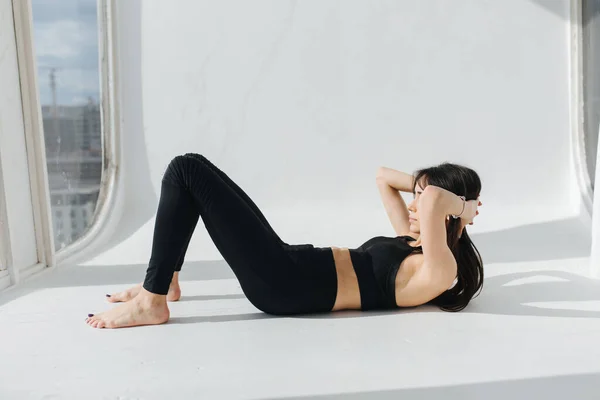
{"x": 591, "y": 81}
{"x": 67, "y": 53}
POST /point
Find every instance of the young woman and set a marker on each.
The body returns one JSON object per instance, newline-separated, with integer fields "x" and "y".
{"x": 432, "y": 260}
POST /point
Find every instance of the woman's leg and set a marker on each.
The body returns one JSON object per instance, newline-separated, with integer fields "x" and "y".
{"x": 177, "y": 215}
{"x": 239, "y": 192}
{"x": 175, "y": 290}
{"x": 132, "y": 292}
{"x": 249, "y": 202}
{"x": 269, "y": 270}
{"x": 191, "y": 188}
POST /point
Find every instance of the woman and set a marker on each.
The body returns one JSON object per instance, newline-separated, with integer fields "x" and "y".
{"x": 431, "y": 261}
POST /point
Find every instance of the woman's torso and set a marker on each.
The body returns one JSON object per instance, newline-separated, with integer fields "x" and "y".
{"x": 409, "y": 261}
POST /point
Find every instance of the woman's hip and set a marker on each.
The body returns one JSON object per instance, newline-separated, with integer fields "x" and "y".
{"x": 308, "y": 286}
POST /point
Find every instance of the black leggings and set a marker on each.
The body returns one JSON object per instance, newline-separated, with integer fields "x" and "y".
{"x": 276, "y": 277}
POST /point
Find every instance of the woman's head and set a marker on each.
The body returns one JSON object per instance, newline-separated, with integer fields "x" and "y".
{"x": 461, "y": 181}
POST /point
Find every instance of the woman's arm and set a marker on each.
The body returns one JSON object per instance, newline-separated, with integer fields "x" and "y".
{"x": 389, "y": 182}
{"x": 396, "y": 179}
{"x": 439, "y": 267}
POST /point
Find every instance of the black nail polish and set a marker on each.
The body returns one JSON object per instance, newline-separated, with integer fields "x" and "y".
{"x": 90, "y": 315}
{"x": 108, "y": 295}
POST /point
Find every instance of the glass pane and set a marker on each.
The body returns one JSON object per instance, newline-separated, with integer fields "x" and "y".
{"x": 66, "y": 45}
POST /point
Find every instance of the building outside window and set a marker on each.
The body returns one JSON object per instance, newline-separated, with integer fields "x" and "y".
{"x": 67, "y": 52}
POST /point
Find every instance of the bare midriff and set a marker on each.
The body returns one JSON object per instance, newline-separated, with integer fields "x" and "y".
{"x": 348, "y": 293}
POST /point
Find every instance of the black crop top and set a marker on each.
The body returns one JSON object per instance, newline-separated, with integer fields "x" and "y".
{"x": 376, "y": 263}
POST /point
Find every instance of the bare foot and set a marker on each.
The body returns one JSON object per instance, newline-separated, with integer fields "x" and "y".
{"x": 126, "y": 295}
{"x": 145, "y": 309}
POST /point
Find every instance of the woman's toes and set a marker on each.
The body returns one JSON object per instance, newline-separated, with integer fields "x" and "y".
{"x": 91, "y": 319}
{"x": 114, "y": 298}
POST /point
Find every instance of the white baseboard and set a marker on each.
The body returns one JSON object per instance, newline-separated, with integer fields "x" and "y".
{"x": 26, "y": 272}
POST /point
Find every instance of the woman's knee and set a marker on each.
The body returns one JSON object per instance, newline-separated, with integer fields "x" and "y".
{"x": 185, "y": 158}
{"x": 178, "y": 169}
{"x": 195, "y": 156}
{"x": 173, "y": 172}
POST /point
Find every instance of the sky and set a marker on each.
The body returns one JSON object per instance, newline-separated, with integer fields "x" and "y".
{"x": 66, "y": 38}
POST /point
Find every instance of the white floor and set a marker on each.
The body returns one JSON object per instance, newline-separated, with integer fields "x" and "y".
{"x": 533, "y": 333}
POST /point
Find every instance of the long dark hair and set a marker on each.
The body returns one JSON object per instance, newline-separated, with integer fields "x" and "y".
{"x": 461, "y": 181}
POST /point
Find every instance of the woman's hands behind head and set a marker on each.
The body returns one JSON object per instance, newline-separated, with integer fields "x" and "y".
{"x": 471, "y": 211}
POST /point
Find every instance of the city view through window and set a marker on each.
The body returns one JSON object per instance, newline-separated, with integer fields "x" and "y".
{"x": 66, "y": 45}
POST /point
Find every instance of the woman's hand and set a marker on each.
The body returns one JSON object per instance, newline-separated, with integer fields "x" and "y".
{"x": 470, "y": 211}
{"x": 435, "y": 197}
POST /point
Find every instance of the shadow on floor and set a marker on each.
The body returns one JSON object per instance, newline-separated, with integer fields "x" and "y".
{"x": 220, "y": 318}
{"x": 501, "y": 299}
{"x": 546, "y": 241}
{"x": 98, "y": 276}
{"x": 555, "y": 240}
{"x": 581, "y": 387}
{"x": 212, "y": 297}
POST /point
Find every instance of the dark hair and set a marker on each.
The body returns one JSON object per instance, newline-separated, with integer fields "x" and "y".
{"x": 461, "y": 181}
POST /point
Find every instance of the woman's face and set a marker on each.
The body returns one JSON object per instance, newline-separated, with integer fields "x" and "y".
{"x": 413, "y": 208}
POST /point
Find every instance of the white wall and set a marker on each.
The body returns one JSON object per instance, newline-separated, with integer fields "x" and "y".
{"x": 300, "y": 102}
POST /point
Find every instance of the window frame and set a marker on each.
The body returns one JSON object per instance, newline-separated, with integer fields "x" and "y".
{"x": 23, "y": 18}
{"x": 35, "y": 157}
{"x": 582, "y": 174}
